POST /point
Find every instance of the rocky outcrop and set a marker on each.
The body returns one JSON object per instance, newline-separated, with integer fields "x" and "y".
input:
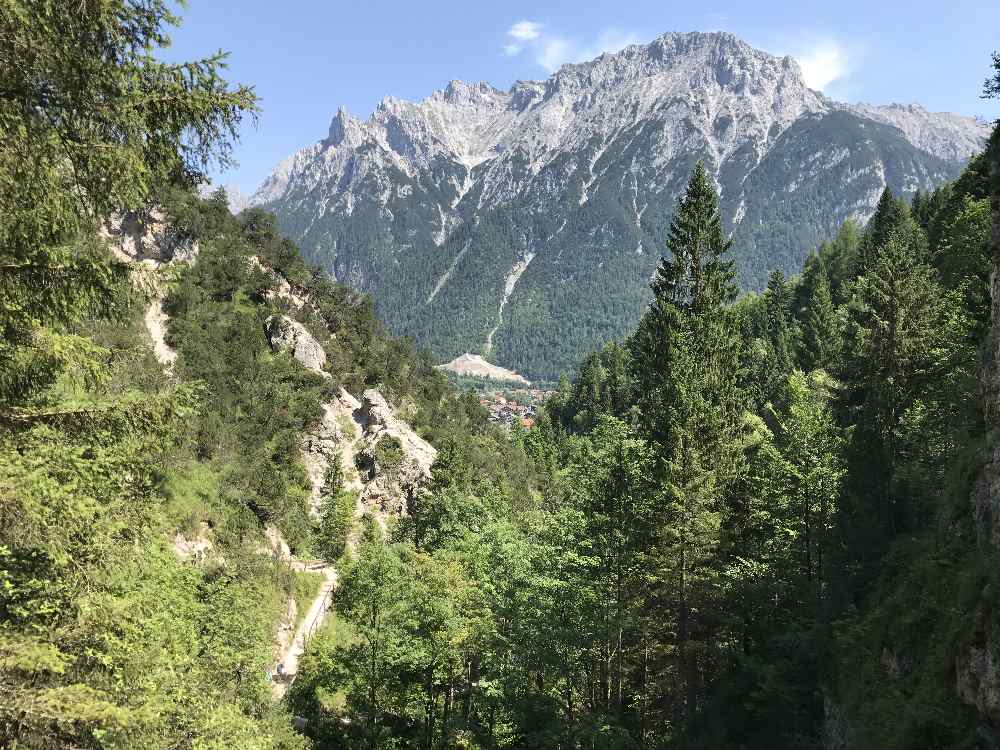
{"x": 393, "y": 460}
{"x": 287, "y": 335}
{"x": 197, "y": 547}
{"x": 148, "y": 241}
{"x": 383, "y": 460}
{"x": 138, "y": 236}
{"x": 333, "y": 438}
{"x": 282, "y": 289}
{"x": 275, "y": 544}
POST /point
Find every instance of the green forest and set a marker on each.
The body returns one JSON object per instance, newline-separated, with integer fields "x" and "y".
{"x": 761, "y": 521}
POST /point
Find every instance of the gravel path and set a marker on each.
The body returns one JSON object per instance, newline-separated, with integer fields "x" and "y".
{"x": 315, "y": 616}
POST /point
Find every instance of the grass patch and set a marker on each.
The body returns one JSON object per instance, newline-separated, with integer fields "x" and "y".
{"x": 191, "y": 494}
{"x": 305, "y": 586}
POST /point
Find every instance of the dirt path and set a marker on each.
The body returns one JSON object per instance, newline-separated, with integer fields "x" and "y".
{"x": 315, "y": 616}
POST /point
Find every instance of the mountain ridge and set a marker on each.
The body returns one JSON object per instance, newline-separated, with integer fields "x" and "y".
{"x": 433, "y": 206}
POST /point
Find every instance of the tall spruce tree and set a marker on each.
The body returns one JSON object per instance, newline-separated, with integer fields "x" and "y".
{"x": 839, "y": 258}
{"x": 894, "y": 317}
{"x": 890, "y": 213}
{"x": 781, "y": 333}
{"x": 822, "y": 338}
{"x": 686, "y": 367}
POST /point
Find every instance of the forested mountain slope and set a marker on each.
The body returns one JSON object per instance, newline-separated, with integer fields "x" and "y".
{"x": 525, "y": 224}
{"x": 766, "y": 523}
{"x": 159, "y": 438}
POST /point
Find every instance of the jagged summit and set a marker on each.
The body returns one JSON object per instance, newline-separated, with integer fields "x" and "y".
{"x": 481, "y": 219}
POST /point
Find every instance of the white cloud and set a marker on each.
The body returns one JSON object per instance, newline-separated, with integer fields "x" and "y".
{"x": 824, "y": 63}
{"x": 525, "y": 30}
{"x": 551, "y": 51}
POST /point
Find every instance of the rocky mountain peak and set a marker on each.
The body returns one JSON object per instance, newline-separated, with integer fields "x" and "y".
{"x": 577, "y": 175}
{"x": 345, "y": 128}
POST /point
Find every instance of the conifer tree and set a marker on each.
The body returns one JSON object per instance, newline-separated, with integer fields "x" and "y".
{"x": 991, "y": 89}
{"x": 822, "y": 339}
{"x": 839, "y": 258}
{"x": 781, "y": 332}
{"x": 891, "y": 350}
{"x": 890, "y": 213}
{"x": 686, "y": 367}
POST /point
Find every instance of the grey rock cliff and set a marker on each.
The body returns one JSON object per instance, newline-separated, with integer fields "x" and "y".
{"x": 351, "y": 432}
{"x": 287, "y": 335}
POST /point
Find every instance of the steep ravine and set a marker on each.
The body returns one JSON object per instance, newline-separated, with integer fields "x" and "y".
{"x": 348, "y": 427}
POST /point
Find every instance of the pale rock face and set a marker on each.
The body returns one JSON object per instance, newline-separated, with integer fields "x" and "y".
{"x": 386, "y": 492}
{"x": 349, "y": 431}
{"x": 332, "y": 438}
{"x": 276, "y": 546}
{"x": 147, "y": 236}
{"x": 235, "y": 198}
{"x": 943, "y": 134}
{"x": 199, "y": 547}
{"x": 283, "y": 290}
{"x": 287, "y": 335}
{"x": 147, "y": 241}
{"x": 350, "y": 428}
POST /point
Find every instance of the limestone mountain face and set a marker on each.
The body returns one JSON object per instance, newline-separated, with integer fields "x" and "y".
{"x": 524, "y": 225}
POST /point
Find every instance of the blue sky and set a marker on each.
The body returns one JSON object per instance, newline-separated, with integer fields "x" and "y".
{"x": 307, "y": 57}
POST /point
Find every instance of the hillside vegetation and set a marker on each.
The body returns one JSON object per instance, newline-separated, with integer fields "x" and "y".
{"x": 758, "y": 523}
{"x": 767, "y": 521}
{"x": 139, "y": 594}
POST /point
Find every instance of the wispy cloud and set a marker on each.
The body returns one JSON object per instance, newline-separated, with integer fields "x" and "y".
{"x": 519, "y": 34}
{"x": 825, "y": 63}
{"x": 525, "y": 30}
{"x": 551, "y": 50}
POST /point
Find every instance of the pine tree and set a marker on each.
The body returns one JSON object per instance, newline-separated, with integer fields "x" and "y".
{"x": 337, "y": 513}
{"x": 686, "y": 367}
{"x": 991, "y": 89}
{"x": 840, "y": 258}
{"x": 780, "y": 327}
{"x": 894, "y": 315}
{"x": 822, "y": 339}
{"x": 890, "y": 214}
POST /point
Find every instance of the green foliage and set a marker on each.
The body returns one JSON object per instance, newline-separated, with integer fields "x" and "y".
{"x": 750, "y": 519}
{"x": 89, "y": 119}
{"x": 337, "y": 514}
